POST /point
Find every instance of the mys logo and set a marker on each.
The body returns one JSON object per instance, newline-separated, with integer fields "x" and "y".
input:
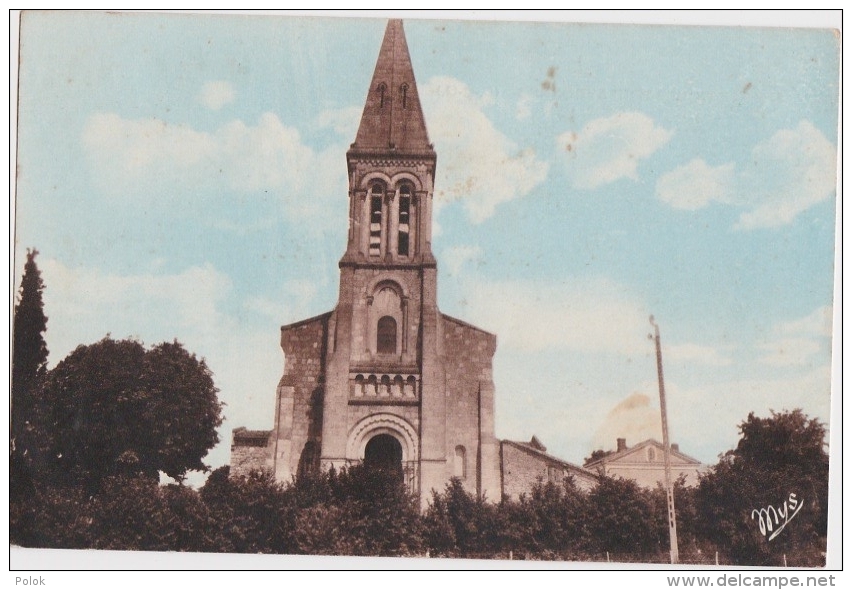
{"x": 769, "y": 518}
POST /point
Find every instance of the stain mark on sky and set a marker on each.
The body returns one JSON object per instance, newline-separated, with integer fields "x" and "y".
{"x": 550, "y": 81}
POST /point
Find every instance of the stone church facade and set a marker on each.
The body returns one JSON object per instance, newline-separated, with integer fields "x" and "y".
{"x": 385, "y": 375}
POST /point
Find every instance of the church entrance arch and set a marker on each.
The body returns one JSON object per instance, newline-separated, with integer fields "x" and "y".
{"x": 384, "y": 452}
{"x": 383, "y": 440}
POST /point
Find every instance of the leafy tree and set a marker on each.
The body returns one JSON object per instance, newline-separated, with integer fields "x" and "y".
{"x": 596, "y": 454}
{"x": 51, "y": 518}
{"x": 458, "y": 524}
{"x": 183, "y": 412}
{"x": 438, "y": 528}
{"x": 358, "y": 511}
{"x": 692, "y": 546}
{"x": 361, "y": 510}
{"x": 621, "y": 519}
{"x": 518, "y": 527}
{"x": 29, "y": 352}
{"x": 382, "y": 516}
{"x": 559, "y": 516}
{"x": 190, "y": 526}
{"x": 251, "y": 512}
{"x": 113, "y": 406}
{"x": 546, "y": 523}
{"x": 777, "y": 456}
{"x": 129, "y": 514}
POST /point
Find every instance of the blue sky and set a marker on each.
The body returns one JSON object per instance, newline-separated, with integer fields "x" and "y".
{"x": 184, "y": 176}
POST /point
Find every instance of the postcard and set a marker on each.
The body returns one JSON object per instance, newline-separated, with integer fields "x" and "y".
{"x": 423, "y": 288}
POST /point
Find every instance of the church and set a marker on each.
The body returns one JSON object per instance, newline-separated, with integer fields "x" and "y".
{"x": 385, "y": 377}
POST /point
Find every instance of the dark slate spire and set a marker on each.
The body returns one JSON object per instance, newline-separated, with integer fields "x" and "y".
{"x": 392, "y": 118}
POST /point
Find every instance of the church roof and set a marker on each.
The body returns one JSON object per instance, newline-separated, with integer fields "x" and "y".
{"x": 392, "y": 117}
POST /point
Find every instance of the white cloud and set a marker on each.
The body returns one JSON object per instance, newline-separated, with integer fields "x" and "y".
{"x": 215, "y": 95}
{"x": 266, "y": 155}
{"x": 704, "y": 418}
{"x": 790, "y": 172}
{"x": 524, "y": 107}
{"x": 126, "y": 150}
{"x": 787, "y": 174}
{"x": 294, "y": 302}
{"x": 610, "y": 148}
{"x": 456, "y": 257}
{"x": 583, "y": 315}
{"x": 695, "y": 185}
{"x": 85, "y": 304}
{"x": 816, "y": 323}
{"x": 800, "y": 342}
{"x": 479, "y": 165}
{"x": 156, "y": 159}
{"x": 696, "y": 353}
{"x": 344, "y": 121}
{"x": 789, "y": 351}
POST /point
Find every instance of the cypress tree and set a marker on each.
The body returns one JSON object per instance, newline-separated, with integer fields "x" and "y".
{"x": 29, "y": 352}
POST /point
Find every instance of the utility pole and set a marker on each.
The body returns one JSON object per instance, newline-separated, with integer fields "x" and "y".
{"x": 667, "y": 454}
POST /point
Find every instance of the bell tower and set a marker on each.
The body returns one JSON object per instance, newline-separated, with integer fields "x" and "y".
{"x": 386, "y": 377}
{"x": 391, "y": 167}
{"x": 387, "y": 316}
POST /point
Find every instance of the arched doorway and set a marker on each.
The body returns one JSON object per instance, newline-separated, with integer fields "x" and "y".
{"x": 385, "y": 439}
{"x": 383, "y": 451}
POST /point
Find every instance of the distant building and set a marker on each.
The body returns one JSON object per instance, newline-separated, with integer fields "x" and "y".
{"x": 522, "y": 464}
{"x": 644, "y": 463}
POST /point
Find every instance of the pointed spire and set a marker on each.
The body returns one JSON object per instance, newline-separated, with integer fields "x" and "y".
{"x": 392, "y": 117}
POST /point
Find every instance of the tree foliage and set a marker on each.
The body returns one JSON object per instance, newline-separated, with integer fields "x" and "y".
{"x": 250, "y": 512}
{"x": 597, "y": 454}
{"x": 622, "y": 519}
{"x": 363, "y": 510}
{"x": 357, "y": 511}
{"x": 29, "y": 350}
{"x": 458, "y": 524}
{"x": 776, "y": 456}
{"x": 112, "y": 406}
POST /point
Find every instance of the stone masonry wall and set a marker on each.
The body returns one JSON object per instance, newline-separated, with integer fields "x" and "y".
{"x": 300, "y": 394}
{"x": 467, "y": 354}
{"x": 522, "y": 469}
{"x": 245, "y": 459}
